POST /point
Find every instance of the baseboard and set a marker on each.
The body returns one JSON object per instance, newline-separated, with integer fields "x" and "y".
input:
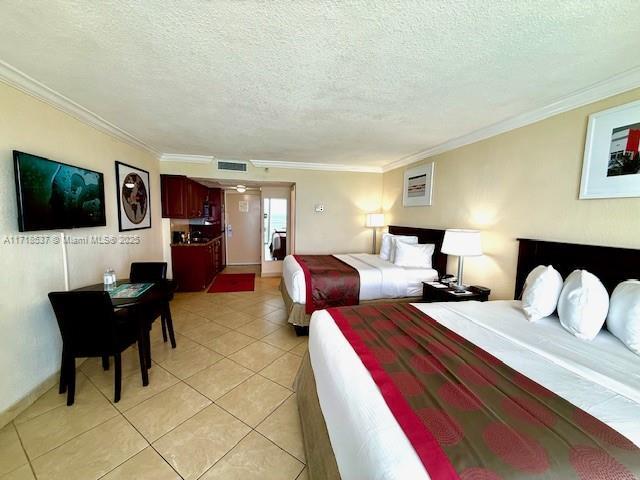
{"x": 271, "y": 274}
{"x": 29, "y": 399}
{"x": 242, "y": 264}
{"x": 21, "y": 405}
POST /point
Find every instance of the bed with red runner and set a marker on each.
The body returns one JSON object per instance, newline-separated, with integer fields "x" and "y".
{"x": 465, "y": 412}
{"x": 330, "y": 282}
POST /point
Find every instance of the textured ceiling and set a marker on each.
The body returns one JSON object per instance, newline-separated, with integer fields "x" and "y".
{"x": 356, "y": 82}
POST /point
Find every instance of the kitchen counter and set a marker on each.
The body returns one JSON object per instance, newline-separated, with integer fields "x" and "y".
{"x": 196, "y": 244}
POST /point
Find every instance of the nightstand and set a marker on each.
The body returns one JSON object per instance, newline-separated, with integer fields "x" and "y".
{"x": 447, "y": 294}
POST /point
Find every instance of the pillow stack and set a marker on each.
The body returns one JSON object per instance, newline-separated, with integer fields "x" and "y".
{"x": 388, "y": 246}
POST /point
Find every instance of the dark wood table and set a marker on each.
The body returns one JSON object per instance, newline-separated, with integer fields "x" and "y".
{"x": 159, "y": 294}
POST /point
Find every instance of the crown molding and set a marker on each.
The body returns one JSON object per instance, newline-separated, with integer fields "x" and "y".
{"x": 23, "y": 82}
{"x": 329, "y": 167}
{"x": 615, "y": 85}
{"x": 184, "y": 158}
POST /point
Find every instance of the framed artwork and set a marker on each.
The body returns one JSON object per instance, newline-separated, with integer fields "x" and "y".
{"x": 611, "y": 165}
{"x": 134, "y": 199}
{"x": 418, "y": 184}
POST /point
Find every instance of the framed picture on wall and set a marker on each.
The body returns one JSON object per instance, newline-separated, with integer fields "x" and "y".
{"x": 611, "y": 164}
{"x": 134, "y": 198}
{"x": 418, "y": 185}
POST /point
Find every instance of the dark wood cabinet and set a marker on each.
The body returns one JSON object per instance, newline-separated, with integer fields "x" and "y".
{"x": 174, "y": 196}
{"x": 195, "y": 265}
{"x": 182, "y": 197}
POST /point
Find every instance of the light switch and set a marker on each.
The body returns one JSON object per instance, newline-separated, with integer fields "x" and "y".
{"x": 319, "y": 208}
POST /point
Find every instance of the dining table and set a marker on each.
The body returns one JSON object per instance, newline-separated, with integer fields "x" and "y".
{"x": 155, "y": 298}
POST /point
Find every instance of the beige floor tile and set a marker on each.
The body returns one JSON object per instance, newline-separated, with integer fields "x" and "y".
{"x": 193, "y": 447}
{"x": 92, "y": 367}
{"x": 229, "y": 343}
{"x": 205, "y": 333}
{"x": 50, "y": 400}
{"x": 279, "y": 316}
{"x": 283, "y": 428}
{"x": 21, "y": 473}
{"x": 257, "y": 355}
{"x": 216, "y": 311}
{"x": 184, "y": 362}
{"x": 259, "y": 328}
{"x": 255, "y": 458}
{"x": 275, "y": 302}
{"x": 301, "y": 348}
{"x": 284, "y": 370}
{"x": 259, "y": 310}
{"x": 146, "y": 464}
{"x": 12, "y": 455}
{"x": 254, "y": 399}
{"x": 53, "y": 428}
{"x": 304, "y": 475}
{"x": 134, "y": 393}
{"x": 219, "y": 378}
{"x": 284, "y": 338}
{"x": 160, "y": 414}
{"x": 234, "y": 319}
{"x": 188, "y": 321}
{"x": 92, "y": 454}
{"x": 161, "y": 350}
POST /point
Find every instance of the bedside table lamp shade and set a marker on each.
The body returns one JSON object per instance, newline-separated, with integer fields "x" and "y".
{"x": 374, "y": 221}
{"x": 461, "y": 243}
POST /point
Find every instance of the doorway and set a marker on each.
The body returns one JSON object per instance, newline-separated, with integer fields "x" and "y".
{"x": 276, "y": 228}
{"x": 244, "y": 240}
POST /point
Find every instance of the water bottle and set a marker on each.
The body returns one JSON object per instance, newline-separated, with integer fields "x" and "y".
{"x": 109, "y": 279}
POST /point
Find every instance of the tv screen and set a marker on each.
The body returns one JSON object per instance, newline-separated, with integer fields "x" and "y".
{"x": 53, "y": 195}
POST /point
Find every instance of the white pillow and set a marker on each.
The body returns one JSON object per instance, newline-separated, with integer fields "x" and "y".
{"x": 583, "y": 304}
{"x": 541, "y": 292}
{"x": 400, "y": 239}
{"x": 623, "y": 320}
{"x": 414, "y": 256}
{"x": 385, "y": 246}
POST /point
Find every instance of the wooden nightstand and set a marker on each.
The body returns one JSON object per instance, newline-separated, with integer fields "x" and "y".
{"x": 447, "y": 294}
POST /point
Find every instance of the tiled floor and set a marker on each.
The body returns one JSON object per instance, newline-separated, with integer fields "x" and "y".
{"x": 219, "y": 406}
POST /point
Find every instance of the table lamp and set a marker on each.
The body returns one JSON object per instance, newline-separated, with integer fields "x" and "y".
{"x": 374, "y": 221}
{"x": 461, "y": 243}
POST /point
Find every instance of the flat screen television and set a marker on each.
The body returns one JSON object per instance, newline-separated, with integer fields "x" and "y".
{"x": 53, "y": 195}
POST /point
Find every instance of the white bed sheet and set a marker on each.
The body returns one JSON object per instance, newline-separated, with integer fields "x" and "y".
{"x": 369, "y": 443}
{"x": 378, "y": 278}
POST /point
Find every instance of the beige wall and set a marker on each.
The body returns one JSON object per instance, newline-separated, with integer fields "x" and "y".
{"x": 30, "y": 343}
{"x": 346, "y": 196}
{"x": 523, "y": 183}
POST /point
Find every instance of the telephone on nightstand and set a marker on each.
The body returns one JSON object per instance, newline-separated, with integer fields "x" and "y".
{"x": 447, "y": 279}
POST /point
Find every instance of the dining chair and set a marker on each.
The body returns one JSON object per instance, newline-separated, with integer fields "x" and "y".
{"x": 155, "y": 272}
{"x": 91, "y": 327}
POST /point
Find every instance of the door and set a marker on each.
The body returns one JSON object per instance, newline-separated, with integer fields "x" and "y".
{"x": 244, "y": 228}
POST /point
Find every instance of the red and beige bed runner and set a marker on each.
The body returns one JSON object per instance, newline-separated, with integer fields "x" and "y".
{"x": 468, "y": 415}
{"x": 330, "y": 282}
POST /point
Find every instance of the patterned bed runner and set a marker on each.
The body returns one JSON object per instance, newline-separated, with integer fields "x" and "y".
{"x": 468, "y": 415}
{"x": 330, "y": 282}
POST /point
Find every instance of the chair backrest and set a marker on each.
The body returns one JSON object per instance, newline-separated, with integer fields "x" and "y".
{"x": 148, "y": 271}
{"x": 86, "y": 320}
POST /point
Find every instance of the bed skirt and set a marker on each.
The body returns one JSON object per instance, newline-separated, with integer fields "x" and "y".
{"x": 321, "y": 461}
{"x": 297, "y": 316}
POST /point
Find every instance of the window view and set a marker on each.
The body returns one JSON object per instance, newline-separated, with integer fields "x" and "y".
{"x": 275, "y": 228}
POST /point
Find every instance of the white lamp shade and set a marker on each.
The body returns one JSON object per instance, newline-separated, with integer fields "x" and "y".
{"x": 462, "y": 243}
{"x": 375, "y": 220}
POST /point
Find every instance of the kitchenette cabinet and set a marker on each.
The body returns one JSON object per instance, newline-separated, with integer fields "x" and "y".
{"x": 183, "y": 197}
{"x": 196, "y": 264}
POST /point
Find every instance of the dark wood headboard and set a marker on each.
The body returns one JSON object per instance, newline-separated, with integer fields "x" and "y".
{"x": 611, "y": 265}
{"x": 426, "y": 235}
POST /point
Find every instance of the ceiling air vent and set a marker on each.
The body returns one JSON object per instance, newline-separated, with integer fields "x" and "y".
{"x": 233, "y": 166}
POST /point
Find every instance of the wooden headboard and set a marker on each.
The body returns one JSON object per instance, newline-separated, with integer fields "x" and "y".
{"x": 611, "y": 265}
{"x": 426, "y": 235}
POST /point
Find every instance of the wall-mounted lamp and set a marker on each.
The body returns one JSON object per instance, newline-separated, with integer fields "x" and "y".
{"x": 374, "y": 221}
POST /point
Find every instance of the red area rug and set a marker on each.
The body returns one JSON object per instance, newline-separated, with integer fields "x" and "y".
{"x": 234, "y": 282}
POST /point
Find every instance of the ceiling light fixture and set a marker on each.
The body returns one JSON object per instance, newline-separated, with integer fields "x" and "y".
{"x": 241, "y": 188}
